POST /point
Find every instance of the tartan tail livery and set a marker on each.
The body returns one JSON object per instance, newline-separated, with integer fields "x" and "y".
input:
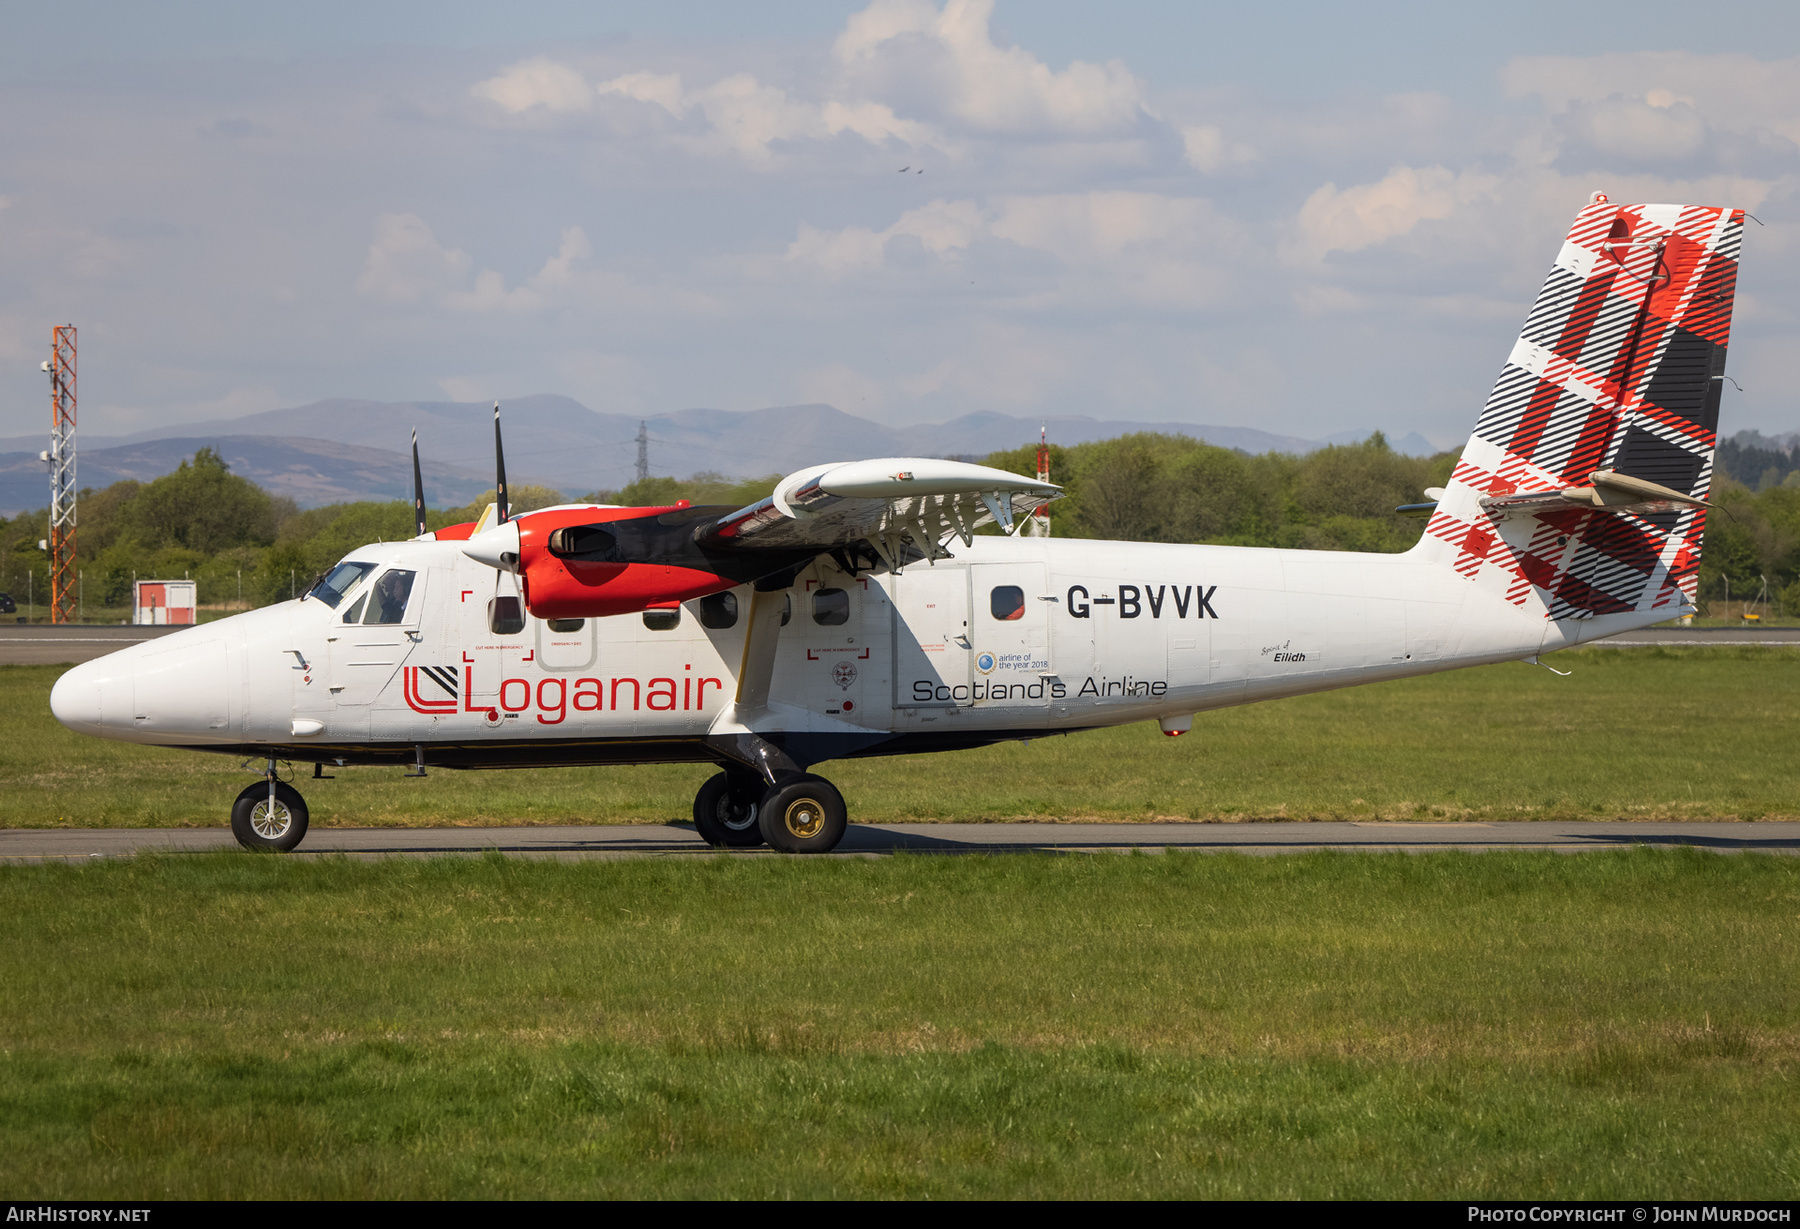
{"x": 1582, "y": 492}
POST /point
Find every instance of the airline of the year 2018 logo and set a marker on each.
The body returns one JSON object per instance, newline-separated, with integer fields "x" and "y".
{"x": 1132, "y": 600}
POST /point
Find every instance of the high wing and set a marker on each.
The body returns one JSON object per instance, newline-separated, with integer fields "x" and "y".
{"x": 589, "y": 561}
{"x": 901, "y": 508}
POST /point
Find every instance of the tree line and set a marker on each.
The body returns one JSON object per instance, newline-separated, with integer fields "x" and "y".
{"x": 242, "y": 544}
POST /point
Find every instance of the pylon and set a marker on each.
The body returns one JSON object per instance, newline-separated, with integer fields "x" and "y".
{"x": 62, "y": 474}
{"x": 1040, "y": 515}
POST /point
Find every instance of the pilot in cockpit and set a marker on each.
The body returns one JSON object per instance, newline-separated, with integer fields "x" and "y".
{"x": 391, "y": 592}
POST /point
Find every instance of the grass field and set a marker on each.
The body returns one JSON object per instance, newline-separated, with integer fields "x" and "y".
{"x": 1633, "y": 734}
{"x": 1612, "y": 1025}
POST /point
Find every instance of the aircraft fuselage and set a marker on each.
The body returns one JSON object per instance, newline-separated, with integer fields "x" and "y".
{"x": 1014, "y": 637}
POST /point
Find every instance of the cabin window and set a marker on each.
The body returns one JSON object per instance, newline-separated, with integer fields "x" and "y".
{"x": 339, "y": 581}
{"x": 663, "y": 620}
{"x": 1007, "y": 602}
{"x": 831, "y": 608}
{"x": 355, "y": 613}
{"x": 387, "y": 600}
{"x": 564, "y": 625}
{"x": 787, "y": 608}
{"x": 505, "y": 616}
{"x": 719, "y": 611}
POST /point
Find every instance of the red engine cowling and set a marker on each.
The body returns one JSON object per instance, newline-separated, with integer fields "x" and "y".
{"x": 574, "y": 588}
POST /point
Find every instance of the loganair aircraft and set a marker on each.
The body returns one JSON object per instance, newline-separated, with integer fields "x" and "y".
{"x": 854, "y": 612}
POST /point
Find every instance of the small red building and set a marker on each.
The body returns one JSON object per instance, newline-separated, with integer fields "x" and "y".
{"x": 162, "y": 602}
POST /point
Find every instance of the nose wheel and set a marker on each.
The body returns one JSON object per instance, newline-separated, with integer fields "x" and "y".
{"x": 269, "y": 818}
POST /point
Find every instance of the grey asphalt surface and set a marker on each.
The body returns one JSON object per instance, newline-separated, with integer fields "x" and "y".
{"x": 674, "y": 840}
{"x": 33, "y": 644}
{"x": 40, "y": 644}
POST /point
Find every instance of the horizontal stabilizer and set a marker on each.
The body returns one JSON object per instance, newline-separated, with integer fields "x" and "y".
{"x": 1608, "y": 492}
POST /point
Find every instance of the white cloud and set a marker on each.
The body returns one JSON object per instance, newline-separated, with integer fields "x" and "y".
{"x": 555, "y": 282}
{"x": 540, "y": 82}
{"x": 1207, "y": 149}
{"x": 876, "y": 123}
{"x": 1366, "y": 214}
{"x": 1139, "y": 246}
{"x": 991, "y": 88}
{"x": 1732, "y": 92}
{"x": 406, "y": 262}
{"x": 999, "y": 364}
{"x": 941, "y": 227}
{"x": 663, "y": 89}
{"x": 748, "y": 116}
{"x": 1639, "y": 131}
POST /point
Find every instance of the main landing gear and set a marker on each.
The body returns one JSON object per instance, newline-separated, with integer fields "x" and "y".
{"x": 800, "y": 813}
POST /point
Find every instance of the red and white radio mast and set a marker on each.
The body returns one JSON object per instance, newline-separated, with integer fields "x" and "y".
{"x": 61, "y": 457}
{"x": 1040, "y": 515}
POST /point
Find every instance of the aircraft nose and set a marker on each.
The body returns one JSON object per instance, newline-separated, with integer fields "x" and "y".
{"x": 78, "y": 699}
{"x": 176, "y": 688}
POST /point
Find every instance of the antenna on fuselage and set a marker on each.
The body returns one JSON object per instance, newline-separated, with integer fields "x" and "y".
{"x": 500, "y": 516}
{"x": 418, "y": 489}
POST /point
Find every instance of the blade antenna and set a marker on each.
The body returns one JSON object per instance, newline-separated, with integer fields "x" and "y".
{"x": 500, "y": 515}
{"x": 418, "y": 489}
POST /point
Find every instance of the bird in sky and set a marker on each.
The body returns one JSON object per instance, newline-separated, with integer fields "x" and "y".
{"x": 903, "y": 170}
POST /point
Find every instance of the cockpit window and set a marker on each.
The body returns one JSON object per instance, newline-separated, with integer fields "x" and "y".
{"x": 339, "y": 581}
{"x": 387, "y": 601}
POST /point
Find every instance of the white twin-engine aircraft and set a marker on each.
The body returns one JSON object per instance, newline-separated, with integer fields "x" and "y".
{"x": 854, "y": 612}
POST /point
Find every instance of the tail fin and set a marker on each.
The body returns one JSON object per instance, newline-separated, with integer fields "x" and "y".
{"x": 1606, "y": 408}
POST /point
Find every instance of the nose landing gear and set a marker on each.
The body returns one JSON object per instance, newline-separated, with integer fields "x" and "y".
{"x": 800, "y": 813}
{"x": 269, "y": 815}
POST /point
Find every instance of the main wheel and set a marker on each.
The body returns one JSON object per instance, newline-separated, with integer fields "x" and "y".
{"x": 258, "y": 825}
{"x": 725, "y": 811}
{"x": 802, "y": 815}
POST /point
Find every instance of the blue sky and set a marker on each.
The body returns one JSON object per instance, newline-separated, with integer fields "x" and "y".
{"x": 1301, "y": 217}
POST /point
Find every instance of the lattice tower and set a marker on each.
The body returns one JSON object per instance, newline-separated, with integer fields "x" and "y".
{"x": 62, "y": 474}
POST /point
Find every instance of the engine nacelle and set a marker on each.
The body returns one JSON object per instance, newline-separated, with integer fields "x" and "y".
{"x": 585, "y": 563}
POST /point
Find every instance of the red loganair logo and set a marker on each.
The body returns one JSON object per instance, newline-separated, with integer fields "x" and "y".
{"x": 435, "y": 691}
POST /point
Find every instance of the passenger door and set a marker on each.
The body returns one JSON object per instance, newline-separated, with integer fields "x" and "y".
{"x": 931, "y": 639}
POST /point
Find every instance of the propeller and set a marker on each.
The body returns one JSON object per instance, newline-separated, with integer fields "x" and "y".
{"x": 500, "y": 516}
{"x": 418, "y": 489}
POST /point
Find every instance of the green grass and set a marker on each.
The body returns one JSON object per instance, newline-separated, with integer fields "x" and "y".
{"x": 1446, "y": 1026}
{"x": 1636, "y": 733}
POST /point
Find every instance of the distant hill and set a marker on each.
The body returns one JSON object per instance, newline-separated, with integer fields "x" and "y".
{"x": 311, "y": 472}
{"x": 346, "y": 449}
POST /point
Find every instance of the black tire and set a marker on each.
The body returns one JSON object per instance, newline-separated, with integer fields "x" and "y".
{"x": 803, "y": 815}
{"x": 253, "y": 826}
{"x": 725, "y": 811}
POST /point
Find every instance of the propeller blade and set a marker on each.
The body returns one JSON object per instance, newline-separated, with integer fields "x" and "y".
{"x": 500, "y": 515}
{"x": 418, "y": 490}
